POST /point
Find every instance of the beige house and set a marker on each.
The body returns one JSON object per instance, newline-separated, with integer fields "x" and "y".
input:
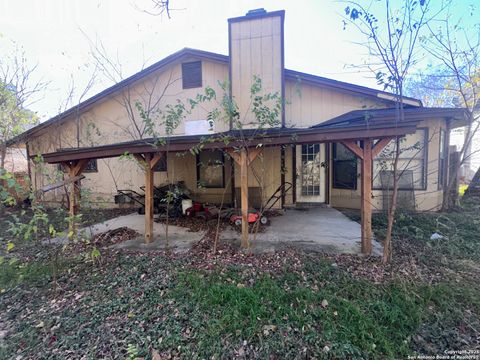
{"x": 330, "y": 134}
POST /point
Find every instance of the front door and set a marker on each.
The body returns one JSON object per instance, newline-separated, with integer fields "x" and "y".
{"x": 311, "y": 173}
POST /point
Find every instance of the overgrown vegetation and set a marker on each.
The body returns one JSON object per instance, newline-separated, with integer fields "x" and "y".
{"x": 283, "y": 305}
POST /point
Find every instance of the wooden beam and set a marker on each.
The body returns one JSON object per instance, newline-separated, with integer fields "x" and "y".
{"x": 253, "y": 153}
{"x": 244, "y": 196}
{"x": 155, "y": 159}
{"x": 380, "y": 145}
{"x": 353, "y": 147}
{"x": 235, "y": 156}
{"x": 140, "y": 158}
{"x": 302, "y": 137}
{"x": 148, "y": 200}
{"x": 60, "y": 184}
{"x": 75, "y": 169}
{"x": 366, "y": 206}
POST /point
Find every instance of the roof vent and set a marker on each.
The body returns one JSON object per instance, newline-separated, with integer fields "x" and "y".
{"x": 255, "y": 12}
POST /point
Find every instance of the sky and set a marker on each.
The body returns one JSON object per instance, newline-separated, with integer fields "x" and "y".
{"x": 54, "y": 34}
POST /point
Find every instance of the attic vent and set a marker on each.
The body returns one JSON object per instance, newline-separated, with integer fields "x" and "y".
{"x": 254, "y": 12}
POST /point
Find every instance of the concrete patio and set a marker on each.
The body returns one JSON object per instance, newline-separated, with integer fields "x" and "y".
{"x": 319, "y": 229}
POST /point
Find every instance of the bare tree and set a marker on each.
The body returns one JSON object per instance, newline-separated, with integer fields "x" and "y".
{"x": 18, "y": 91}
{"x": 392, "y": 35}
{"x": 457, "y": 49}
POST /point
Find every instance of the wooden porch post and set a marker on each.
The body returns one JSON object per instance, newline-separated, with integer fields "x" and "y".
{"x": 244, "y": 196}
{"x": 366, "y": 211}
{"x": 244, "y": 158}
{"x": 74, "y": 169}
{"x": 367, "y": 154}
{"x": 148, "y": 162}
{"x": 148, "y": 200}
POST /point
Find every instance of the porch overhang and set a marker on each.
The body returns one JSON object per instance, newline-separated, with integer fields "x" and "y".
{"x": 244, "y": 145}
{"x": 226, "y": 140}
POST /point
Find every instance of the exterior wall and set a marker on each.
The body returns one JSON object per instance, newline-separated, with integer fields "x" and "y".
{"x": 308, "y": 104}
{"x": 263, "y": 176}
{"x": 108, "y": 122}
{"x": 428, "y": 199}
{"x": 256, "y": 49}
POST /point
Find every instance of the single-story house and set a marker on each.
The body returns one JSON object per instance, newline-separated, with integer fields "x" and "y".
{"x": 332, "y": 144}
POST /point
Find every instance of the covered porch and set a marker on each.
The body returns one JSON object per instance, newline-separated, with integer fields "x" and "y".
{"x": 243, "y": 148}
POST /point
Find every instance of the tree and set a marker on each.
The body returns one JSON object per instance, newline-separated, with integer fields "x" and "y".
{"x": 455, "y": 80}
{"x": 392, "y": 35}
{"x": 265, "y": 107}
{"x": 18, "y": 90}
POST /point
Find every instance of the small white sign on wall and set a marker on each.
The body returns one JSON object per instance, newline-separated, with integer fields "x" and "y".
{"x": 198, "y": 127}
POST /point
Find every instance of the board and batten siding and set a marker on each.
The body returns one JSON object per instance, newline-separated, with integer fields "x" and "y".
{"x": 308, "y": 104}
{"x": 255, "y": 50}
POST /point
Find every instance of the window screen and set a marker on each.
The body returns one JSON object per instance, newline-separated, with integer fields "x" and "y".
{"x": 192, "y": 74}
{"x": 344, "y": 168}
{"x": 411, "y": 163}
{"x": 91, "y": 166}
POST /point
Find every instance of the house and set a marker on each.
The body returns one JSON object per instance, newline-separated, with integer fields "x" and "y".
{"x": 332, "y": 143}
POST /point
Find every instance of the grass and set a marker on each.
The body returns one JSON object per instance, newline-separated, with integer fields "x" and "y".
{"x": 306, "y": 306}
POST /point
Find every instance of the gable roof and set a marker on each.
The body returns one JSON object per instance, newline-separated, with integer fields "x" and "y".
{"x": 206, "y": 55}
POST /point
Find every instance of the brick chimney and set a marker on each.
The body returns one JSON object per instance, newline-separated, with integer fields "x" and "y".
{"x": 256, "y": 48}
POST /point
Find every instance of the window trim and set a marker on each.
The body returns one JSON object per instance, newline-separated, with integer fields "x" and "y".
{"x": 335, "y": 185}
{"x": 198, "y": 166}
{"x": 425, "y": 165}
{"x": 186, "y": 85}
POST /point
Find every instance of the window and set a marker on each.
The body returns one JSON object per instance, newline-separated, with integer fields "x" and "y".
{"x": 192, "y": 74}
{"x": 210, "y": 169}
{"x": 91, "y": 166}
{"x": 412, "y": 163}
{"x": 311, "y": 169}
{"x": 344, "y": 168}
{"x": 442, "y": 161}
{"x": 161, "y": 165}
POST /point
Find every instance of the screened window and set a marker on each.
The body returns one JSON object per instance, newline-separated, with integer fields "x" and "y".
{"x": 161, "y": 165}
{"x": 192, "y": 74}
{"x": 91, "y": 166}
{"x": 442, "y": 169}
{"x": 311, "y": 169}
{"x": 210, "y": 169}
{"x": 412, "y": 163}
{"x": 344, "y": 168}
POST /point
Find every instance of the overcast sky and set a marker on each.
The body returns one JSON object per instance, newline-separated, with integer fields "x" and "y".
{"x": 52, "y": 33}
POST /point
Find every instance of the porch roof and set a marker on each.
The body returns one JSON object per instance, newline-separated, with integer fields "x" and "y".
{"x": 358, "y": 117}
{"x": 230, "y": 139}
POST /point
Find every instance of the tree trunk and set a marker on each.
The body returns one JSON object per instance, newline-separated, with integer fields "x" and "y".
{"x": 387, "y": 246}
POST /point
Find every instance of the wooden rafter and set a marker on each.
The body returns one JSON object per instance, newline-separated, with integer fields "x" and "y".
{"x": 380, "y": 145}
{"x": 156, "y": 159}
{"x": 353, "y": 147}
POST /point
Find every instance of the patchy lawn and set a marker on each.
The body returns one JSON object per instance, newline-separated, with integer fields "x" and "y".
{"x": 274, "y": 306}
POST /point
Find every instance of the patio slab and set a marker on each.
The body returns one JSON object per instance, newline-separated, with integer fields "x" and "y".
{"x": 320, "y": 229}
